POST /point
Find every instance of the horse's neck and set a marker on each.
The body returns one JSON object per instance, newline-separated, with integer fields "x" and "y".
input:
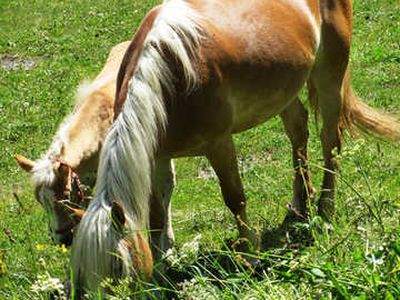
{"x": 93, "y": 115}
{"x": 88, "y": 127}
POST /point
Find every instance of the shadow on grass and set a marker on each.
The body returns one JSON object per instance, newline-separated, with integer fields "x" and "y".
{"x": 222, "y": 266}
{"x": 292, "y": 233}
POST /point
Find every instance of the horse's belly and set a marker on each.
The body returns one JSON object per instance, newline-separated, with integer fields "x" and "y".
{"x": 258, "y": 94}
{"x": 251, "y": 110}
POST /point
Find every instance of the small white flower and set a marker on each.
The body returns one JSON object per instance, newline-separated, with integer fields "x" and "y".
{"x": 187, "y": 254}
{"x": 45, "y": 284}
{"x": 375, "y": 261}
{"x": 199, "y": 289}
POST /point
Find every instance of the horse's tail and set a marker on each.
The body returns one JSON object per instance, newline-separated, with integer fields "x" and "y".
{"x": 356, "y": 113}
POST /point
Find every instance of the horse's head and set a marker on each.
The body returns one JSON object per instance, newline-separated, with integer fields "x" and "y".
{"x": 57, "y": 189}
{"x": 134, "y": 243}
{"x": 106, "y": 247}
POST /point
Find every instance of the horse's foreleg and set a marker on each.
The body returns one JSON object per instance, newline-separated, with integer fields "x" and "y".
{"x": 162, "y": 234}
{"x": 295, "y": 119}
{"x": 222, "y": 158}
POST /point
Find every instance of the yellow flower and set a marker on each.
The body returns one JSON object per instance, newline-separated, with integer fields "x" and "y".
{"x": 63, "y": 248}
{"x": 2, "y": 264}
{"x": 39, "y": 247}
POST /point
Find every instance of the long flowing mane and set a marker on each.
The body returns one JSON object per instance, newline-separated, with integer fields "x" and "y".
{"x": 124, "y": 173}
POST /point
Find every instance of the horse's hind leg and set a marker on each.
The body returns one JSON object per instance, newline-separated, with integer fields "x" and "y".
{"x": 162, "y": 235}
{"x": 295, "y": 119}
{"x": 327, "y": 77}
{"x": 330, "y": 106}
{"x": 222, "y": 158}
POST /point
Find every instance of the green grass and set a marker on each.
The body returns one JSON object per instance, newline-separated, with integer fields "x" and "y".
{"x": 359, "y": 258}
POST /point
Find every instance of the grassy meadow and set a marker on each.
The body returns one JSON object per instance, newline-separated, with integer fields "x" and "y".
{"x": 48, "y": 47}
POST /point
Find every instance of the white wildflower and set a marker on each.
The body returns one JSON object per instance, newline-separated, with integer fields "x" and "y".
{"x": 45, "y": 284}
{"x": 187, "y": 254}
{"x": 375, "y": 261}
{"x": 199, "y": 289}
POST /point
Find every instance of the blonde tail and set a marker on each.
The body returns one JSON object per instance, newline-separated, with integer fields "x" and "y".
{"x": 355, "y": 112}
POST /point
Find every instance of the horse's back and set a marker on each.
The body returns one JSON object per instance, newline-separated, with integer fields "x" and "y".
{"x": 263, "y": 31}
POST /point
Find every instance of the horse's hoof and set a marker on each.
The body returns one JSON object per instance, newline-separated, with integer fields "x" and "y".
{"x": 293, "y": 215}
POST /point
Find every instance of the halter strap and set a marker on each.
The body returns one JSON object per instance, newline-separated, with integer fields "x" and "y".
{"x": 74, "y": 180}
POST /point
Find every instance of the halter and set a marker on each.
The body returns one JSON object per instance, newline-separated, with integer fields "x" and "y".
{"x": 75, "y": 181}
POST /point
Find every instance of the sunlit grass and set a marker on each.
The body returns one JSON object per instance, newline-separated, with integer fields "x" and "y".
{"x": 358, "y": 257}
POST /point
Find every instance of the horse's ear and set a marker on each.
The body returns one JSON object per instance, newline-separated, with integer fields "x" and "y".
{"x": 24, "y": 162}
{"x": 118, "y": 216}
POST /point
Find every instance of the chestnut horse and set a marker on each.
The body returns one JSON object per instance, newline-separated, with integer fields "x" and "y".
{"x": 75, "y": 148}
{"x": 195, "y": 73}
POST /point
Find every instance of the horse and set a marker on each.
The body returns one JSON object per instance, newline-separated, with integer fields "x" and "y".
{"x": 74, "y": 150}
{"x": 195, "y": 73}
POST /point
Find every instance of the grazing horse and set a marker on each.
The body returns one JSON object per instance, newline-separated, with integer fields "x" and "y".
{"x": 75, "y": 148}
{"x": 195, "y": 73}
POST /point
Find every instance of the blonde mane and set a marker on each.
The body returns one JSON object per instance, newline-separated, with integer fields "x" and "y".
{"x": 126, "y": 161}
{"x": 43, "y": 171}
